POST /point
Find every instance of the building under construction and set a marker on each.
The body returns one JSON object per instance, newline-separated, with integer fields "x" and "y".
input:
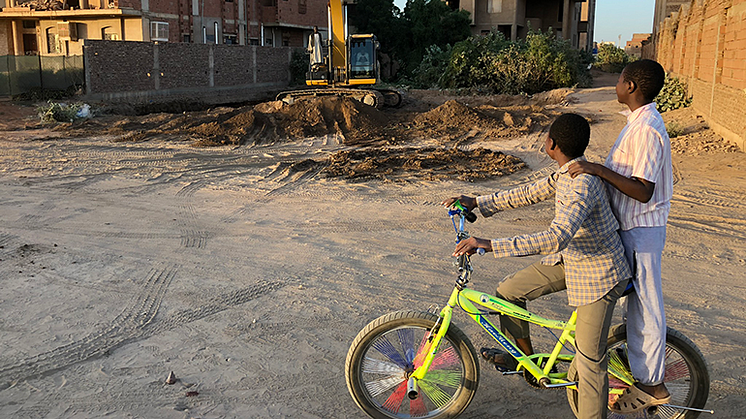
{"x": 569, "y": 19}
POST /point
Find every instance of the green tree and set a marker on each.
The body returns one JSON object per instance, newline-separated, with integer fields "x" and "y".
{"x": 611, "y": 59}
{"x": 493, "y": 64}
{"x": 431, "y": 22}
{"x": 407, "y": 35}
{"x": 383, "y": 19}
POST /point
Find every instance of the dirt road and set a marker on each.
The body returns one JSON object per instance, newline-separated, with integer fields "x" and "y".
{"x": 248, "y": 276}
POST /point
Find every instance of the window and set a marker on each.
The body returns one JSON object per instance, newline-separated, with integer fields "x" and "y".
{"x": 230, "y": 39}
{"x": 187, "y": 38}
{"x": 158, "y": 31}
{"x": 254, "y": 41}
{"x": 302, "y": 8}
{"x": 108, "y": 34}
{"x": 53, "y": 46}
{"x": 494, "y": 6}
{"x": 29, "y": 24}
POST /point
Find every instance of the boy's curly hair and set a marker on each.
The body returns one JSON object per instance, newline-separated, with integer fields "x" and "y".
{"x": 647, "y": 75}
{"x": 571, "y": 133}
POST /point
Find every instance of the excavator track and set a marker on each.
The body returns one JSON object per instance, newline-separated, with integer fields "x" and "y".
{"x": 377, "y": 98}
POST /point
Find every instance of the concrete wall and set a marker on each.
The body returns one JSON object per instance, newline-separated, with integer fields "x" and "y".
{"x": 144, "y": 72}
{"x": 704, "y": 43}
{"x": 6, "y": 41}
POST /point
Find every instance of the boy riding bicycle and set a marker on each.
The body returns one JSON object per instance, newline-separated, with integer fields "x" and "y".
{"x": 586, "y": 258}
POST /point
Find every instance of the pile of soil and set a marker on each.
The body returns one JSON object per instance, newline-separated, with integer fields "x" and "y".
{"x": 449, "y": 121}
{"x": 429, "y": 163}
{"x": 454, "y": 119}
{"x": 695, "y": 136}
{"x": 264, "y": 123}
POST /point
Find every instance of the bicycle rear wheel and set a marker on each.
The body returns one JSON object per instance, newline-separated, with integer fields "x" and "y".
{"x": 686, "y": 377}
{"x": 390, "y": 348}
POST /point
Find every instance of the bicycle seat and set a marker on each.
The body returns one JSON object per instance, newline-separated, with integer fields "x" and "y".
{"x": 630, "y": 288}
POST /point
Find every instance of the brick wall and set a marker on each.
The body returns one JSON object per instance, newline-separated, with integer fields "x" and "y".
{"x": 704, "y": 43}
{"x": 140, "y": 72}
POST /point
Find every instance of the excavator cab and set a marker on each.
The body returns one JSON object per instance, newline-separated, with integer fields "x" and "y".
{"x": 359, "y": 67}
{"x": 362, "y": 59}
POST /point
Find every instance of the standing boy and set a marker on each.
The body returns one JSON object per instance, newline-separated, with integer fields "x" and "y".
{"x": 586, "y": 257}
{"x": 639, "y": 170}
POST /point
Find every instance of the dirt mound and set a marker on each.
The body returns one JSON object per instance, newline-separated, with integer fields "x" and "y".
{"x": 352, "y": 119}
{"x": 277, "y": 121}
{"x": 454, "y": 119}
{"x": 421, "y": 163}
{"x": 451, "y": 123}
{"x": 456, "y": 114}
{"x": 264, "y": 123}
{"x": 690, "y": 134}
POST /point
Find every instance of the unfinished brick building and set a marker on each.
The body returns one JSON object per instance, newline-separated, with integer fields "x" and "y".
{"x": 570, "y": 19}
{"x": 58, "y": 27}
{"x": 704, "y": 44}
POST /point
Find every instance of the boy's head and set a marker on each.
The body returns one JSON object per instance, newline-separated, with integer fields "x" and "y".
{"x": 570, "y": 133}
{"x": 641, "y": 81}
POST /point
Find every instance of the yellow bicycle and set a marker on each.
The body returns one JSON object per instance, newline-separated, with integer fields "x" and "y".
{"x": 411, "y": 364}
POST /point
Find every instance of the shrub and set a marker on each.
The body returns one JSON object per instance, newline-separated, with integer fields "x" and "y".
{"x": 63, "y": 112}
{"x": 611, "y": 59}
{"x": 672, "y": 96}
{"x": 674, "y": 129}
{"x": 431, "y": 68}
{"x": 492, "y": 63}
{"x": 299, "y": 63}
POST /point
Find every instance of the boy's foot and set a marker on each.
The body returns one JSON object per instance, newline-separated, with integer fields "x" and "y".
{"x": 639, "y": 397}
{"x": 502, "y": 361}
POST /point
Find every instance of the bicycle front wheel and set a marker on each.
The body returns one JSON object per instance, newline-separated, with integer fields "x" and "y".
{"x": 686, "y": 376}
{"x": 386, "y": 352}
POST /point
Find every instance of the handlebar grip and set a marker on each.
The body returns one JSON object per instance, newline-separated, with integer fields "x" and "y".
{"x": 470, "y": 217}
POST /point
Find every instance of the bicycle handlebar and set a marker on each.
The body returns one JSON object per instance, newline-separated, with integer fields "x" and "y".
{"x": 463, "y": 214}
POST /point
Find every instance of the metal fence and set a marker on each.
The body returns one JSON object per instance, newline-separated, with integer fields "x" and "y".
{"x": 25, "y": 73}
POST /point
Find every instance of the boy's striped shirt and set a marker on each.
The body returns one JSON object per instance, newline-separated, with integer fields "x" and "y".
{"x": 642, "y": 150}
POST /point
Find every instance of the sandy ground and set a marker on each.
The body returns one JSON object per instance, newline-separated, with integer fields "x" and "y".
{"x": 123, "y": 261}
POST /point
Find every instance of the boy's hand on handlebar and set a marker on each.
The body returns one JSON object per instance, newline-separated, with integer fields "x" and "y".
{"x": 469, "y": 246}
{"x": 468, "y": 202}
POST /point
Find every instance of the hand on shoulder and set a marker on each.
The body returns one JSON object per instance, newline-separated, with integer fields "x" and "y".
{"x": 582, "y": 166}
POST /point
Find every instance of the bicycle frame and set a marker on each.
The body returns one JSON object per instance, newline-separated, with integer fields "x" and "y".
{"x": 468, "y": 300}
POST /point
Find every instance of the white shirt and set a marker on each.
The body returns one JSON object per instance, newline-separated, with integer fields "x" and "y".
{"x": 642, "y": 150}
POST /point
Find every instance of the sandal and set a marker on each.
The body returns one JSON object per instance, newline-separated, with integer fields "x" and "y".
{"x": 502, "y": 361}
{"x": 635, "y": 399}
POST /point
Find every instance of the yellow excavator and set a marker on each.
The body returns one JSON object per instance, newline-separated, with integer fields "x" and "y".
{"x": 349, "y": 67}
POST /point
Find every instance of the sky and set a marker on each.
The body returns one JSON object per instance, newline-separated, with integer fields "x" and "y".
{"x": 614, "y": 18}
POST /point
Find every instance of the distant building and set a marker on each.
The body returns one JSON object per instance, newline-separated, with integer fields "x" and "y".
{"x": 634, "y": 46}
{"x": 58, "y": 27}
{"x": 569, "y": 19}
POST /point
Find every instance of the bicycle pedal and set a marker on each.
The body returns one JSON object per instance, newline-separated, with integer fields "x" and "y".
{"x": 506, "y": 371}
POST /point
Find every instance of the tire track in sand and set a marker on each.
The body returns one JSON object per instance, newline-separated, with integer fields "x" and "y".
{"x": 138, "y": 313}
